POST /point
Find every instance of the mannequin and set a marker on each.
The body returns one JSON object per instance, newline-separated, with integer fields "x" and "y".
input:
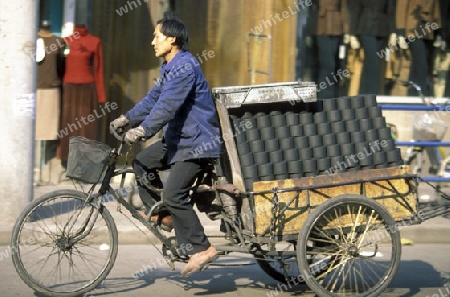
{"x": 330, "y": 25}
{"x": 83, "y": 86}
{"x": 50, "y": 68}
{"x": 417, "y": 23}
{"x": 399, "y": 64}
{"x": 371, "y": 23}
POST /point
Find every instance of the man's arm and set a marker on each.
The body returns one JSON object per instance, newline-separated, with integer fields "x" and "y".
{"x": 141, "y": 110}
{"x": 174, "y": 93}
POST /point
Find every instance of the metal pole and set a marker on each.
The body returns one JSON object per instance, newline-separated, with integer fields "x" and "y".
{"x": 18, "y": 23}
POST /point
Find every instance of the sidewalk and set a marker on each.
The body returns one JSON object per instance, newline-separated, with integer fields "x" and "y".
{"x": 436, "y": 230}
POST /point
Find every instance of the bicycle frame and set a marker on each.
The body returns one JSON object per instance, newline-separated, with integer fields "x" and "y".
{"x": 96, "y": 199}
{"x": 416, "y": 152}
{"x": 106, "y": 188}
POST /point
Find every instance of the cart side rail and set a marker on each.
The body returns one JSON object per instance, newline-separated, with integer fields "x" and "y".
{"x": 280, "y": 207}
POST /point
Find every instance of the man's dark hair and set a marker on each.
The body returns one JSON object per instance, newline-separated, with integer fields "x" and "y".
{"x": 171, "y": 26}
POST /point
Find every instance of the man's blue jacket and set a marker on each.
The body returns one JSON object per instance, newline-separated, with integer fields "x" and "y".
{"x": 182, "y": 100}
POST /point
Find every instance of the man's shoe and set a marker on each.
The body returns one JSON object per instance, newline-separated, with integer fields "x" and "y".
{"x": 199, "y": 260}
{"x": 163, "y": 219}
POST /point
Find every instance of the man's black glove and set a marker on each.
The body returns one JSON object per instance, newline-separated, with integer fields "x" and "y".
{"x": 134, "y": 135}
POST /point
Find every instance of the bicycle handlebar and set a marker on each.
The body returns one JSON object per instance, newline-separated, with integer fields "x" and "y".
{"x": 416, "y": 87}
{"x": 119, "y": 135}
{"x": 410, "y": 83}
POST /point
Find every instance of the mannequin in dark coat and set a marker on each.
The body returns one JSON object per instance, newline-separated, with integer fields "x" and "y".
{"x": 371, "y": 22}
{"x": 328, "y": 23}
{"x": 417, "y": 21}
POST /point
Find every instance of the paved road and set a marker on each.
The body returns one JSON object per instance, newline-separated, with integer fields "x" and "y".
{"x": 424, "y": 271}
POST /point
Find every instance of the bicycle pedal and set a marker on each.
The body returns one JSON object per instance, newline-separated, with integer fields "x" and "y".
{"x": 204, "y": 267}
{"x": 207, "y": 264}
{"x": 162, "y": 227}
{"x": 165, "y": 228}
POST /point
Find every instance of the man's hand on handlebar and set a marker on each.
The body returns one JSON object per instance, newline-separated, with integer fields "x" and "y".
{"x": 117, "y": 126}
{"x": 134, "y": 135}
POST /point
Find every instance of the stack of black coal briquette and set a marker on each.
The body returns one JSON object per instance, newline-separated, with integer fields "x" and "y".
{"x": 283, "y": 141}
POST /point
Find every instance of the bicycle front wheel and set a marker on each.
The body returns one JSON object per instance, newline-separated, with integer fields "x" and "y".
{"x": 63, "y": 246}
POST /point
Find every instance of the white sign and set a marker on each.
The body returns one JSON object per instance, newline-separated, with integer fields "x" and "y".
{"x": 24, "y": 105}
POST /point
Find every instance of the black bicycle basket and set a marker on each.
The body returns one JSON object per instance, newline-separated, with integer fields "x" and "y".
{"x": 87, "y": 159}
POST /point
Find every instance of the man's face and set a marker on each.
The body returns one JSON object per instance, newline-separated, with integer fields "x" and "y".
{"x": 161, "y": 43}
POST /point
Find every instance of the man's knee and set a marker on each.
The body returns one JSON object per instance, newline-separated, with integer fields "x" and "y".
{"x": 174, "y": 197}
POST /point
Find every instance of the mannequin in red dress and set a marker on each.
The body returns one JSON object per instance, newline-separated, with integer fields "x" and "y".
{"x": 83, "y": 87}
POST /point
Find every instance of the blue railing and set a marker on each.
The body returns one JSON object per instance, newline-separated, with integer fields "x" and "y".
{"x": 422, "y": 143}
{"x": 416, "y": 107}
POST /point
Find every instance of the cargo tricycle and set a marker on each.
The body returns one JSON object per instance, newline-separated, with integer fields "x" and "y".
{"x": 314, "y": 196}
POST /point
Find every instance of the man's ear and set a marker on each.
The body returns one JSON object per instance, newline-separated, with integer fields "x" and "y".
{"x": 172, "y": 40}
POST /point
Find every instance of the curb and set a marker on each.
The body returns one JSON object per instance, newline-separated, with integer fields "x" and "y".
{"x": 435, "y": 230}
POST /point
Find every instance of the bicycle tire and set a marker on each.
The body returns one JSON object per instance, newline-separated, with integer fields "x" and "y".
{"x": 360, "y": 250}
{"x": 42, "y": 234}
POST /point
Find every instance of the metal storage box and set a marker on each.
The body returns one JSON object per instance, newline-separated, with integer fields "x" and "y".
{"x": 236, "y": 97}
{"x": 294, "y": 92}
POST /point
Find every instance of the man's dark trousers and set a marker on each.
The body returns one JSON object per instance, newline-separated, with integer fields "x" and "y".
{"x": 188, "y": 229}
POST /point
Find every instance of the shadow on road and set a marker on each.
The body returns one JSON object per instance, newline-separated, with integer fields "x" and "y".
{"x": 416, "y": 275}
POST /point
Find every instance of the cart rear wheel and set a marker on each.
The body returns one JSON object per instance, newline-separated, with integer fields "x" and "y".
{"x": 349, "y": 246}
